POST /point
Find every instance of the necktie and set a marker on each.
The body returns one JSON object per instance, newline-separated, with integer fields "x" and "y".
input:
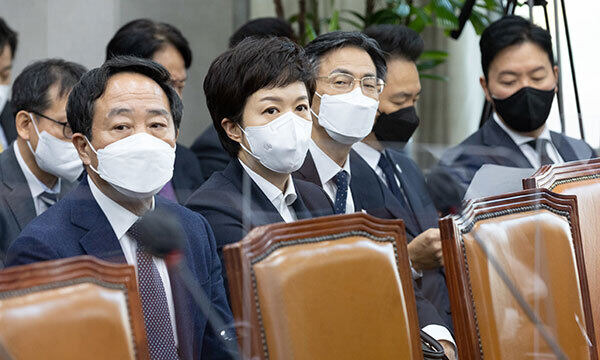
{"x": 341, "y": 181}
{"x": 154, "y": 304}
{"x": 385, "y": 165}
{"x": 540, "y": 147}
{"x": 48, "y": 199}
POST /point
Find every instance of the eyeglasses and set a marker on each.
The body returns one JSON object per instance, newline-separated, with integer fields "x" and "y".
{"x": 67, "y": 132}
{"x": 370, "y": 85}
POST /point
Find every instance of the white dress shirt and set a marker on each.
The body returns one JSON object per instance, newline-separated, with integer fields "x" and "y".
{"x": 327, "y": 170}
{"x": 121, "y": 220}
{"x": 532, "y": 156}
{"x": 280, "y": 200}
{"x": 36, "y": 187}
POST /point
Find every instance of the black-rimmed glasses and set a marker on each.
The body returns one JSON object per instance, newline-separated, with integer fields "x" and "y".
{"x": 67, "y": 132}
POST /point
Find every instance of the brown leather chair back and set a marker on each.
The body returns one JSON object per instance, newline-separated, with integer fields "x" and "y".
{"x": 335, "y": 287}
{"x": 75, "y": 308}
{"x": 534, "y": 237}
{"x": 582, "y": 179}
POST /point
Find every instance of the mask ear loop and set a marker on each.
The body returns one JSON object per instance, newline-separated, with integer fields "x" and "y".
{"x": 243, "y": 147}
{"x": 95, "y": 152}
{"x": 36, "y": 131}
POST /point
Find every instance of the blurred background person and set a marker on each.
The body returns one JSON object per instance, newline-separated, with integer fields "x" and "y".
{"x": 166, "y": 45}
{"x": 520, "y": 80}
{"x": 8, "y": 47}
{"x": 207, "y": 146}
{"x": 42, "y": 165}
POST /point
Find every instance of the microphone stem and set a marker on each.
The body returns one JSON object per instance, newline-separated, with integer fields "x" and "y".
{"x": 214, "y": 320}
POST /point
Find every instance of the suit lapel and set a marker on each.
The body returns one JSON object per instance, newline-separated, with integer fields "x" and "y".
{"x": 262, "y": 211}
{"x": 18, "y": 195}
{"x": 300, "y": 208}
{"x": 308, "y": 171}
{"x": 100, "y": 240}
{"x": 496, "y": 139}
{"x": 564, "y": 149}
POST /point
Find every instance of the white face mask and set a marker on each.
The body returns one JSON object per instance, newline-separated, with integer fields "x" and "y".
{"x": 4, "y": 95}
{"x": 137, "y": 166}
{"x": 280, "y": 145}
{"x": 57, "y": 157}
{"x": 347, "y": 118}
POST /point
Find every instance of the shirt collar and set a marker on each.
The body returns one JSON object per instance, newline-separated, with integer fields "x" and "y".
{"x": 326, "y": 167}
{"x": 368, "y": 153}
{"x": 271, "y": 191}
{"x": 520, "y": 139}
{"x": 36, "y": 187}
{"x": 120, "y": 219}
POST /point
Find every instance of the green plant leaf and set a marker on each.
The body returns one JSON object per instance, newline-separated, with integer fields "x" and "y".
{"x": 423, "y": 65}
{"x": 420, "y": 19}
{"x": 357, "y": 14}
{"x": 334, "y": 23}
{"x": 433, "y": 55}
{"x": 434, "y": 77}
{"x": 444, "y": 14}
{"x": 310, "y": 33}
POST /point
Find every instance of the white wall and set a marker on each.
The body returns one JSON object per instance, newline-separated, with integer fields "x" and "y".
{"x": 78, "y": 30}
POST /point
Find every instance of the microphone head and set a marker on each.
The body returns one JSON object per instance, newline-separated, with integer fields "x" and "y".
{"x": 160, "y": 233}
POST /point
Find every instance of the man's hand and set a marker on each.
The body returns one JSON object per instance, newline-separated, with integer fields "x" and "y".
{"x": 448, "y": 349}
{"x": 425, "y": 251}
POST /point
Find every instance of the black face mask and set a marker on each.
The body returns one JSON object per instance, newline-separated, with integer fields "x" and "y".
{"x": 526, "y": 110}
{"x": 396, "y": 127}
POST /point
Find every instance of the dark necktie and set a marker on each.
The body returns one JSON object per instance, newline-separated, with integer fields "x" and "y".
{"x": 541, "y": 148}
{"x": 341, "y": 181}
{"x": 48, "y": 199}
{"x": 386, "y": 166}
{"x": 154, "y": 304}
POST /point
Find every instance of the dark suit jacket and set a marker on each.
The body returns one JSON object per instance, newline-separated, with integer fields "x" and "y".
{"x": 369, "y": 193}
{"x": 187, "y": 175}
{"x": 7, "y": 121}
{"x": 449, "y": 180}
{"x": 221, "y": 201}
{"x": 433, "y": 282}
{"x": 17, "y": 208}
{"x": 210, "y": 152}
{"x": 77, "y": 226}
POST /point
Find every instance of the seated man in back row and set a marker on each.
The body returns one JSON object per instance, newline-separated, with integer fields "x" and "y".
{"x": 520, "y": 80}
{"x": 125, "y": 118}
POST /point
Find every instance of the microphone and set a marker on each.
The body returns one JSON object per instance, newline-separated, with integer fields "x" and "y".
{"x": 162, "y": 236}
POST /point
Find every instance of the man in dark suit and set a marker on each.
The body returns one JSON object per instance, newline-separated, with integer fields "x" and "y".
{"x": 166, "y": 45}
{"x": 42, "y": 164}
{"x": 207, "y": 146}
{"x": 350, "y": 69}
{"x": 256, "y": 188}
{"x": 520, "y": 80}
{"x": 125, "y": 117}
{"x": 382, "y": 151}
{"x": 8, "y": 46}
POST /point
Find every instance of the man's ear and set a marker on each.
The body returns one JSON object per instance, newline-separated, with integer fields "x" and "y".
{"x": 23, "y": 124}
{"x": 315, "y": 105}
{"x": 83, "y": 148}
{"x": 486, "y": 91}
{"x": 232, "y": 130}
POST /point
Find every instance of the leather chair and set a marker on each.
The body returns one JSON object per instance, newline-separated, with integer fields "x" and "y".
{"x": 533, "y": 237}
{"x": 582, "y": 179}
{"x": 335, "y": 287}
{"x": 74, "y": 308}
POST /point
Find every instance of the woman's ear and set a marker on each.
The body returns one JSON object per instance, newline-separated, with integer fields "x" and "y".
{"x": 232, "y": 130}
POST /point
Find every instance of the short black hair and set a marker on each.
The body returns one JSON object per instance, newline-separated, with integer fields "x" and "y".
{"x": 262, "y": 27}
{"x": 144, "y": 37}
{"x": 80, "y": 107}
{"x": 30, "y": 88}
{"x": 508, "y": 31}
{"x": 397, "y": 41}
{"x": 8, "y": 36}
{"x": 253, "y": 64}
{"x": 327, "y": 42}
